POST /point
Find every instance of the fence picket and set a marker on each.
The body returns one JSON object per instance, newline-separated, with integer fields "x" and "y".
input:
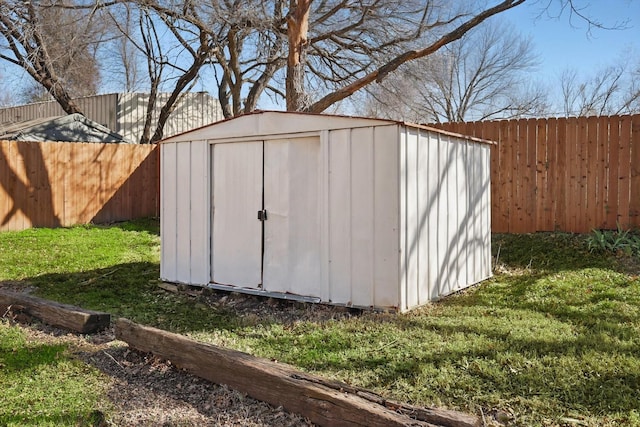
{"x": 624, "y": 172}
{"x": 634, "y": 203}
{"x": 591, "y": 166}
{"x": 582, "y": 156}
{"x": 505, "y": 172}
{"x": 601, "y": 166}
{"x": 530, "y": 182}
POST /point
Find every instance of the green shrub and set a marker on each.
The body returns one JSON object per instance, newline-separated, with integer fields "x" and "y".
{"x": 619, "y": 241}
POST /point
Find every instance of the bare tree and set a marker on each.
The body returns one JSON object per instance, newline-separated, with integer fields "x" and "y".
{"x": 609, "y": 91}
{"x": 325, "y": 50}
{"x": 481, "y": 76}
{"x": 122, "y": 59}
{"x": 312, "y": 54}
{"x": 55, "y": 46}
{"x": 175, "y": 49}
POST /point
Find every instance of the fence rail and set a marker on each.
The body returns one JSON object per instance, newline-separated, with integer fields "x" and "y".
{"x": 50, "y": 184}
{"x": 566, "y": 174}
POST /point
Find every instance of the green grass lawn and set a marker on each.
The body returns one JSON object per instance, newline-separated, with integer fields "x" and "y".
{"x": 552, "y": 339}
{"x": 44, "y": 385}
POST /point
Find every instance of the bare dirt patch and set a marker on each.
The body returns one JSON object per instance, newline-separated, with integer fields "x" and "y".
{"x": 147, "y": 391}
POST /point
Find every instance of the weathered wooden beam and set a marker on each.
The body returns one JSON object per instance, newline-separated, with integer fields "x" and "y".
{"x": 53, "y": 313}
{"x": 326, "y": 403}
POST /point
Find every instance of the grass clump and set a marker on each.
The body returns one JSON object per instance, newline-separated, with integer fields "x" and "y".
{"x": 552, "y": 337}
{"x": 44, "y": 385}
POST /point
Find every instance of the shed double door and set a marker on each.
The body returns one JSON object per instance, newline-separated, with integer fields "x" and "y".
{"x": 279, "y": 180}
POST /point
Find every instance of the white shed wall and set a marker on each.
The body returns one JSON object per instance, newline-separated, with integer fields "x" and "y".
{"x": 444, "y": 215}
{"x": 363, "y": 226}
{"x": 376, "y": 215}
{"x": 185, "y": 213}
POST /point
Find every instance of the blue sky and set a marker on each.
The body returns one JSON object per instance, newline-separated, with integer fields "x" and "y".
{"x": 561, "y": 44}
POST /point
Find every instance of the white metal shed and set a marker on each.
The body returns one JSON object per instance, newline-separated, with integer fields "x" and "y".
{"x": 351, "y": 211}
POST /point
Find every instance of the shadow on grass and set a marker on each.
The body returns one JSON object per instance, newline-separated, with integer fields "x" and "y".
{"x": 28, "y": 358}
{"x": 131, "y": 290}
{"x": 63, "y": 418}
{"x": 149, "y": 225}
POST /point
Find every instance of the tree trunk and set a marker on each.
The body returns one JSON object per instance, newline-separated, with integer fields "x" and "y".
{"x": 297, "y": 29}
{"x": 61, "y": 96}
{"x": 181, "y": 84}
{"x": 151, "y": 106}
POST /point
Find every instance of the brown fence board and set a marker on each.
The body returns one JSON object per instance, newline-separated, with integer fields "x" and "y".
{"x": 504, "y": 167}
{"x": 491, "y": 131}
{"x": 601, "y": 171}
{"x": 51, "y": 184}
{"x": 554, "y": 170}
{"x": 55, "y": 171}
{"x": 569, "y": 220}
{"x": 634, "y": 204}
{"x": 539, "y": 141}
{"x": 624, "y": 172}
{"x": 582, "y": 157}
{"x": 21, "y": 203}
{"x": 612, "y": 193}
{"x": 531, "y": 180}
{"x": 566, "y": 174}
{"x": 591, "y": 168}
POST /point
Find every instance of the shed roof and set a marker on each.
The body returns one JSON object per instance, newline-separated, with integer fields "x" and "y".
{"x": 69, "y": 128}
{"x": 265, "y": 123}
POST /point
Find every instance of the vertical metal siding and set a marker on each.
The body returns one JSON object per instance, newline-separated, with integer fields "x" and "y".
{"x": 403, "y": 233}
{"x": 339, "y": 212}
{"x": 386, "y": 221}
{"x": 192, "y": 111}
{"x": 424, "y": 153}
{"x": 199, "y": 209}
{"x": 100, "y": 109}
{"x": 30, "y": 112}
{"x": 485, "y": 211}
{"x": 412, "y": 248}
{"x": 184, "y": 218}
{"x": 363, "y": 216}
{"x": 445, "y": 236}
{"x": 431, "y": 206}
{"x": 168, "y": 215}
{"x": 183, "y": 193}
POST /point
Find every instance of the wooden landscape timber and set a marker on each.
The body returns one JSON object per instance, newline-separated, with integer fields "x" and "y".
{"x": 22, "y": 307}
{"x": 326, "y": 403}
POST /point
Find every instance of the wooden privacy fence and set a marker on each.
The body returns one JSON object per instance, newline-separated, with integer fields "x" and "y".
{"x": 566, "y": 174}
{"x": 51, "y": 184}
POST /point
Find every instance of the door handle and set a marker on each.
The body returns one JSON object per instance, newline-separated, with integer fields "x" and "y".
{"x": 262, "y": 215}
